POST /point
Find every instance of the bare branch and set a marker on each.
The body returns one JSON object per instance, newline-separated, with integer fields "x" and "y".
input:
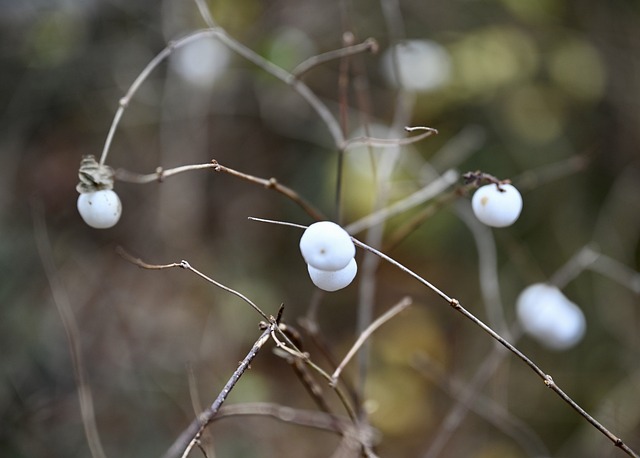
{"x": 189, "y": 436}
{"x": 388, "y": 315}
{"x": 369, "y": 45}
{"x": 546, "y": 378}
{"x": 185, "y": 265}
{"x": 417, "y": 198}
{"x": 383, "y": 142}
{"x": 159, "y": 175}
{"x": 272, "y": 183}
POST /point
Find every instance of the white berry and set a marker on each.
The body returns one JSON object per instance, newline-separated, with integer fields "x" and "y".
{"x": 333, "y": 280}
{"x": 326, "y": 246}
{"x": 547, "y": 315}
{"x": 100, "y": 209}
{"x": 497, "y": 207}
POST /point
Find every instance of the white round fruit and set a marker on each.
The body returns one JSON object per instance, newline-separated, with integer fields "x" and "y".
{"x": 333, "y": 280}
{"x": 326, "y": 246}
{"x": 497, "y": 207}
{"x": 546, "y": 314}
{"x": 100, "y": 209}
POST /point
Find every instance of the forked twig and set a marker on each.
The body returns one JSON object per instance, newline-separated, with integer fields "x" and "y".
{"x": 185, "y": 265}
{"x": 189, "y": 436}
{"x": 389, "y": 314}
{"x": 546, "y": 378}
{"x": 271, "y": 183}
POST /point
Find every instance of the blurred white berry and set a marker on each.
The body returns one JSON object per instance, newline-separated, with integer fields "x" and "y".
{"x": 495, "y": 207}
{"x": 326, "y": 246}
{"x": 100, "y": 209}
{"x": 548, "y": 316}
{"x": 417, "y": 65}
{"x": 333, "y": 280}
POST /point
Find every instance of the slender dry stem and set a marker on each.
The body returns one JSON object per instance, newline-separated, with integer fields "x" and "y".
{"x": 546, "y": 378}
{"x": 419, "y": 197}
{"x": 185, "y": 265}
{"x": 191, "y": 435}
{"x": 388, "y": 315}
{"x": 485, "y": 407}
{"x": 63, "y": 304}
{"x": 159, "y": 175}
{"x": 369, "y": 45}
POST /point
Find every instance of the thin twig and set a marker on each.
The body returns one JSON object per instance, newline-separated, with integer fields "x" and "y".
{"x": 419, "y": 197}
{"x": 185, "y": 265}
{"x": 482, "y": 405}
{"x": 159, "y": 175}
{"x": 487, "y": 267}
{"x": 388, "y": 315}
{"x": 63, "y": 304}
{"x": 272, "y": 183}
{"x": 574, "y": 267}
{"x": 369, "y": 45}
{"x": 308, "y": 418}
{"x": 384, "y": 142}
{"x": 189, "y": 436}
{"x": 157, "y": 60}
{"x": 546, "y": 378}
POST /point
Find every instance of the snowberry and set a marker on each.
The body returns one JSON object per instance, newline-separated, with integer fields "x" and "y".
{"x": 326, "y": 246}
{"x": 497, "y": 207}
{"x": 100, "y": 209}
{"x": 333, "y": 280}
{"x": 548, "y": 316}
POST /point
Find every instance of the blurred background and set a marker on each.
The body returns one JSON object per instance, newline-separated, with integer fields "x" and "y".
{"x": 546, "y": 93}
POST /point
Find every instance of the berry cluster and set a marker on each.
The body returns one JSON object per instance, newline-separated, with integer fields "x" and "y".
{"x": 329, "y": 253}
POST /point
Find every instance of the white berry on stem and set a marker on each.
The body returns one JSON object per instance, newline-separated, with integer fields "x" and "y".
{"x": 326, "y": 246}
{"x": 100, "y": 209}
{"x": 328, "y": 280}
{"x": 497, "y": 205}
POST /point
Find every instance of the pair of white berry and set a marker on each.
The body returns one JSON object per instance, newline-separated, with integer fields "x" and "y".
{"x": 548, "y": 316}
{"x": 497, "y": 205}
{"x": 329, "y": 253}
